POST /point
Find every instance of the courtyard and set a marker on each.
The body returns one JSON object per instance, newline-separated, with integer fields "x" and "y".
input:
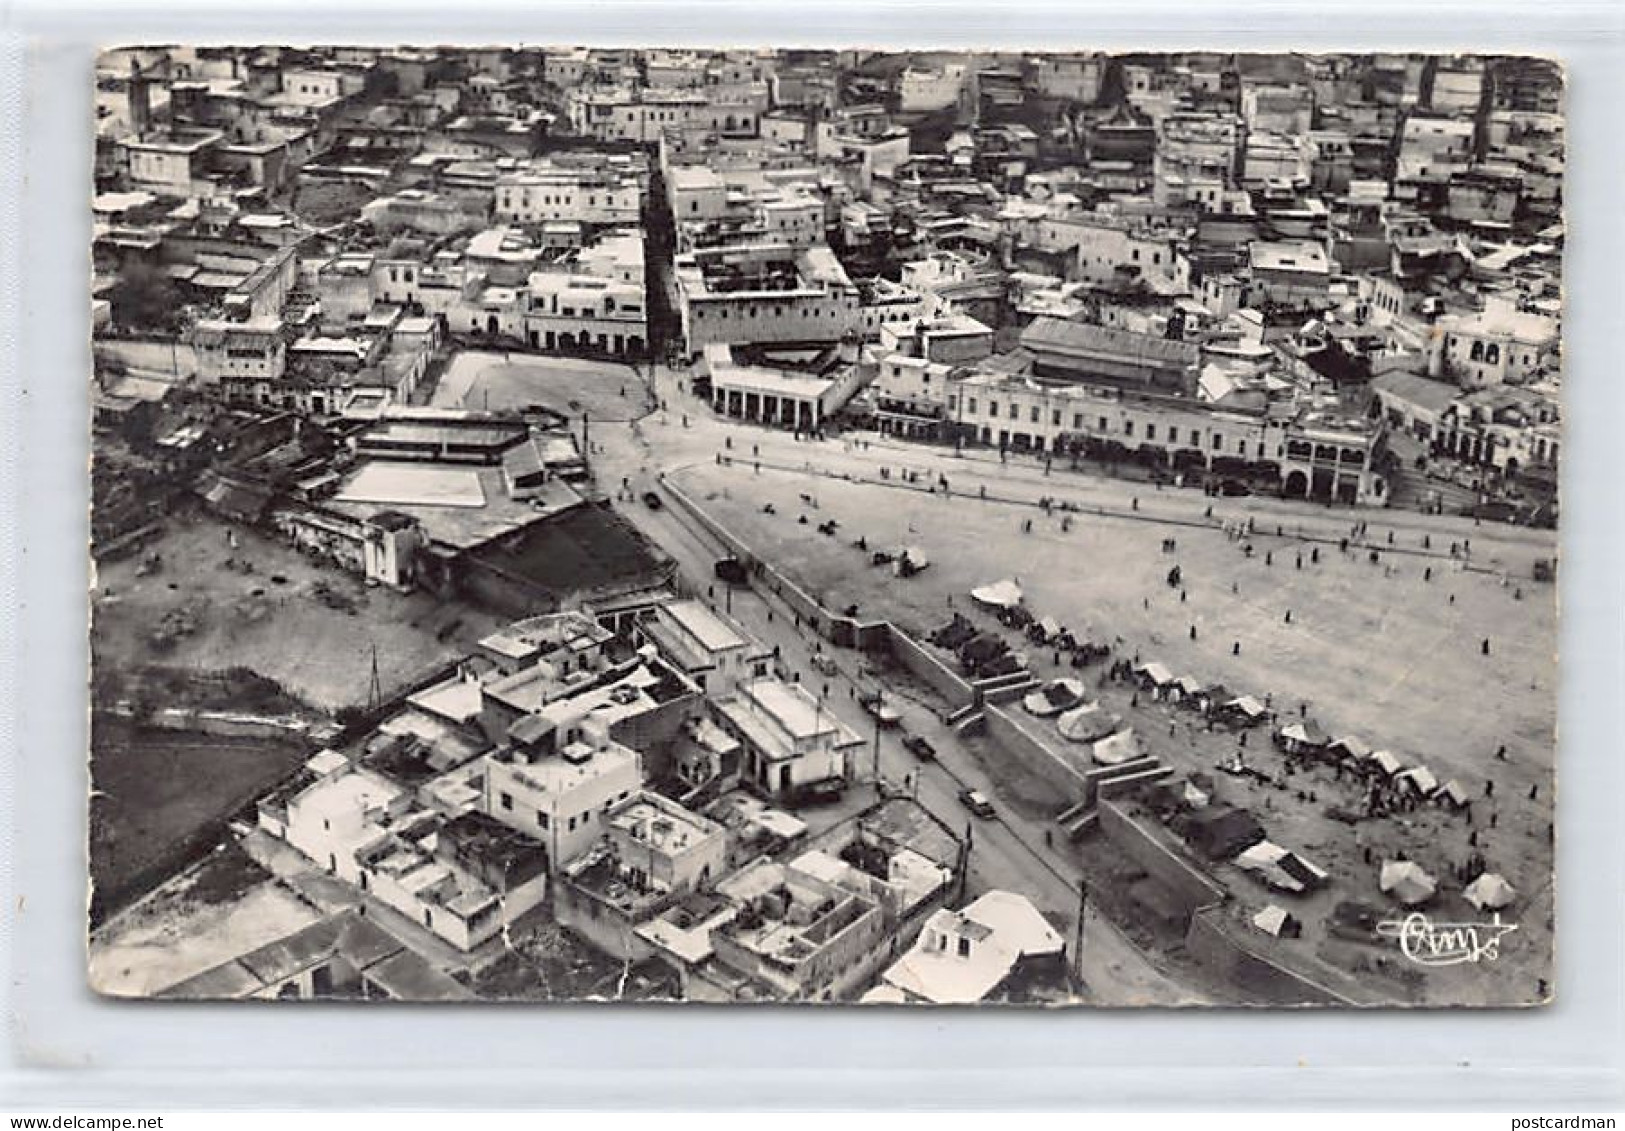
{"x": 484, "y": 379}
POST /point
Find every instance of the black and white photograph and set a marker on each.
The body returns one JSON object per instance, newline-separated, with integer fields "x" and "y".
{"x": 1026, "y": 529}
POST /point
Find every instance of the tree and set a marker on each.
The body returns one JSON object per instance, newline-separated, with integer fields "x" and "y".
{"x": 145, "y": 298}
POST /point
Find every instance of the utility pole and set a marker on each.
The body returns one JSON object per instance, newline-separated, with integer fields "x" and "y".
{"x": 964, "y": 859}
{"x": 1083, "y": 909}
{"x": 375, "y": 692}
{"x": 878, "y": 703}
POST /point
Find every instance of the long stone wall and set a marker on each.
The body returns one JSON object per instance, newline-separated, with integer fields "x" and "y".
{"x": 928, "y": 668}
{"x": 1211, "y": 941}
{"x": 1190, "y": 886}
{"x": 841, "y": 630}
{"x": 1034, "y": 755}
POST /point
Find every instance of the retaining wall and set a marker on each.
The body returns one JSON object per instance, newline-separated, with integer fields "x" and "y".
{"x": 1190, "y": 886}
{"x": 928, "y": 668}
{"x": 1212, "y": 942}
{"x": 1034, "y": 755}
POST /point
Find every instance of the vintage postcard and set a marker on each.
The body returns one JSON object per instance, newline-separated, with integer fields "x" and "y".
{"x": 825, "y": 526}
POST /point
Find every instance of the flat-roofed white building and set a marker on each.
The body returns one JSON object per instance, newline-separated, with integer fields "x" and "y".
{"x": 653, "y": 852}
{"x": 707, "y": 647}
{"x": 542, "y": 192}
{"x": 561, "y": 787}
{"x": 463, "y": 878}
{"x": 790, "y": 738}
{"x": 584, "y": 312}
{"x": 1497, "y": 345}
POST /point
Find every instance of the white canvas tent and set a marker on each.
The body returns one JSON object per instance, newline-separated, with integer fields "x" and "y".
{"x": 1490, "y": 892}
{"x": 1385, "y": 761}
{"x": 1087, "y": 723}
{"x": 1420, "y": 778}
{"x": 1454, "y": 793}
{"x": 1280, "y": 868}
{"x": 1158, "y": 674}
{"x": 1276, "y": 922}
{"x": 911, "y": 560}
{"x": 1054, "y": 697}
{"x": 1004, "y": 594}
{"x": 1117, "y": 749}
{"x": 1407, "y": 881}
{"x": 1247, "y": 705}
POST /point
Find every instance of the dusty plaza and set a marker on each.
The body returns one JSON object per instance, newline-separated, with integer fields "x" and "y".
{"x": 905, "y": 528}
{"x": 1372, "y": 649}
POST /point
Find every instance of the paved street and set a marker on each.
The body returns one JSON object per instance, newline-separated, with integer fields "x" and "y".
{"x": 1009, "y": 851}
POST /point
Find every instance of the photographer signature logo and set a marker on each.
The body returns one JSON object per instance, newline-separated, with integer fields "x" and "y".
{"x": 1427, "y": 943}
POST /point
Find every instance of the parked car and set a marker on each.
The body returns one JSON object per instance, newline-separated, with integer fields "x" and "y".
{"x": 652, "y": 501}
{"x": 976, "y": 802}
{"x": 920, "y": 746}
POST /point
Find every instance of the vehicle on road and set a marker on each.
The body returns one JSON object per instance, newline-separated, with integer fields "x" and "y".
{"x": 731, "y": 570}
{"x": 824, "y": 664}
{"x": 652, "y": 501}
{"x": 976, "y": 802}
{"x": 920, "y": 746}
{"x": 883, "y": 712}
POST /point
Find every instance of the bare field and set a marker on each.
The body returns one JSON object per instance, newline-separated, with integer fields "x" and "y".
{"x": 224, "y": 617}
{"x": 161, "y": 796}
